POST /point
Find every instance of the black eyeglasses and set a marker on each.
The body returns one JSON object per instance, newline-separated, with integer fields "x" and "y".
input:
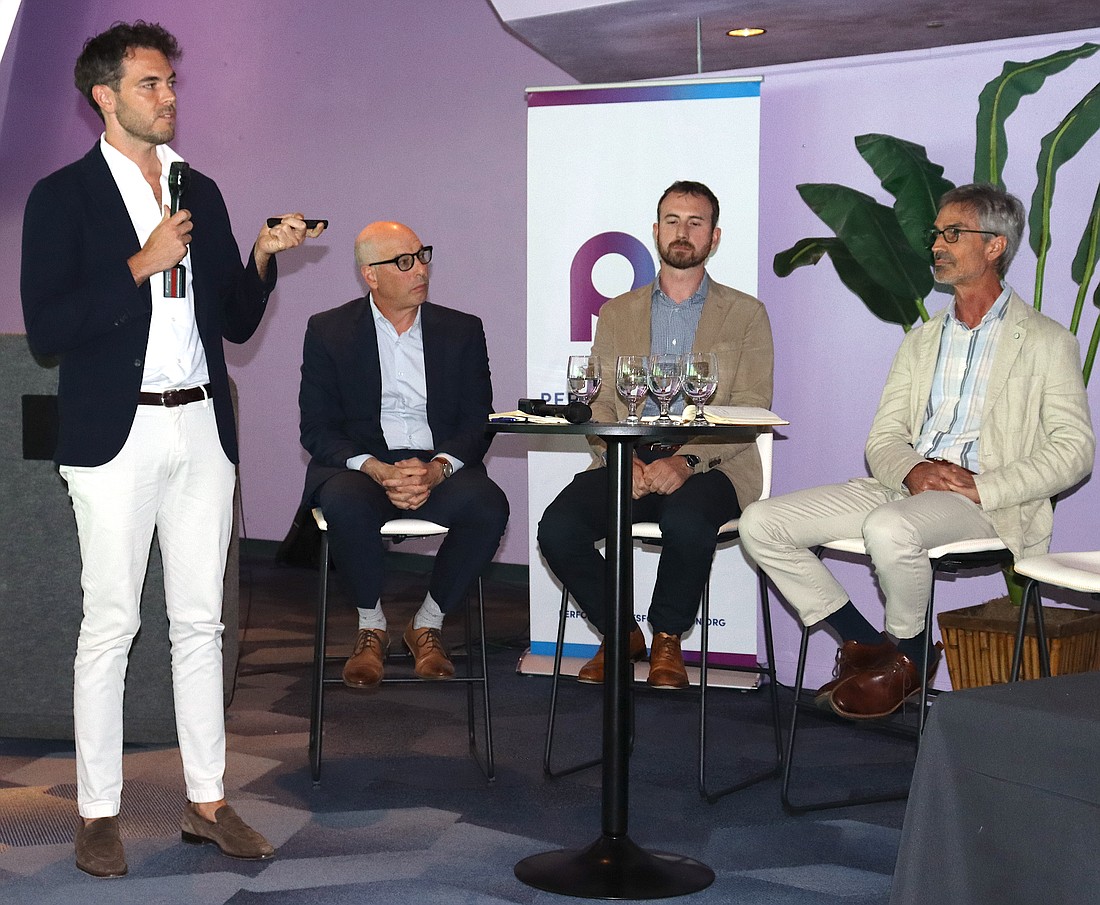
{"x": 405, "y": 262}
{"x": 950, "y": 234}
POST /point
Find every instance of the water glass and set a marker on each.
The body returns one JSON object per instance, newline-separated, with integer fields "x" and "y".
{"x": 700, "y": 380}
{"x": 666, "y": 373}
{"x": 584, "y": 378}
{"x": 632, "y": 382}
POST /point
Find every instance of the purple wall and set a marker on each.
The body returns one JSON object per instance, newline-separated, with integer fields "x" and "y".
{"x": 365, "y": 112}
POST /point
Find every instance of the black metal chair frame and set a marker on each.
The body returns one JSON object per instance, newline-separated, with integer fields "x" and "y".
{"x": 321, "y": 660}
{"x": 950, "y": 563}
{"x": 767, "y": 670}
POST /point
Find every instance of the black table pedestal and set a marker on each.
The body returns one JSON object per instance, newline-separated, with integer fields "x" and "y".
{"x": 614, "y": 868}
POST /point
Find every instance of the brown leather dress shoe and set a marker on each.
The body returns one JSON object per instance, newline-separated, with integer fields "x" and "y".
{"x": 878, "y": 692}
{"x": 592, "y": 671}
{"x": 228, "y": 832}
{"x": 853, "y": 657}
{"x": 99, "y": 848}
{"x": 432, "y": 659}
{"x": 666, "y": 663}
{"x": 364, "y": 667}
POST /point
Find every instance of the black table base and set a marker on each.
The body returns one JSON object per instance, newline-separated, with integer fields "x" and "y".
{"x": 614, "y": 868}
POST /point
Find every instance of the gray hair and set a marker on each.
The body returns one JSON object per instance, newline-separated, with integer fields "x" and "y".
{"x": 997, "y": 211}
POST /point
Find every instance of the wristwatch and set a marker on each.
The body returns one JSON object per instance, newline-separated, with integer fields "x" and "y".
{"x": 693, "y": 461}
{"x": 448, "y": 468}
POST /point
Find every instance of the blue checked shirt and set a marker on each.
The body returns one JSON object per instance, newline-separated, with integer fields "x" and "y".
{"x": 953, "y": 419}
{"x": 672, "y": 331}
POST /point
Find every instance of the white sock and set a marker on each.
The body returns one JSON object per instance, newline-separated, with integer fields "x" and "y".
{"x": 429, "y": 615}
{"x": 372, "y": 618}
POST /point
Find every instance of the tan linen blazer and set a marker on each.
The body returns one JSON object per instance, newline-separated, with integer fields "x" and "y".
{"x": 733, "y": 325}
{"x": 1036, "y": 437}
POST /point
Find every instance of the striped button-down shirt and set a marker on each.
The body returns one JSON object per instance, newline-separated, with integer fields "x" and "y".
{"x": 953, "y": 419}
{"x": 672, "y": 330}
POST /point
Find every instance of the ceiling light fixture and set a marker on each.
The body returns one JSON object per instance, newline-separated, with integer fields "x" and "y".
{"x": 747, "y": 32}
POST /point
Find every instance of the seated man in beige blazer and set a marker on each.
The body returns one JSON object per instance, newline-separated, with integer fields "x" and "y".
{"x": 691, "y": 489}
{"x": 983, "y": 419}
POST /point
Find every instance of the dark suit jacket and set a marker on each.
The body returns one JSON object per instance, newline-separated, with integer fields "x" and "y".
{"x": 80, "y": 302}
{"x": 341, "y": 392}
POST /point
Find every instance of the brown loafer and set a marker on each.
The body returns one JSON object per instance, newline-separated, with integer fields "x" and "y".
{"x": 876, "y": 693}
{"x": 99, "y": 848}
{"x": 853, "y": 657}
{"x": 228, "y": 832}
{"x": 431, "y": 658}
{"x": 364, "y": 667}
{"x": 592, "y": 672}
{"x": 666, "y": 663}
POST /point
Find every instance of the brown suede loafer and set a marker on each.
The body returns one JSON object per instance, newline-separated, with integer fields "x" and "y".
{"x": 593, "y": 671}
{"x": 666, "y": 663}
{"x": 228, "y": 832}
{"x": 853, "y": 657}
{"x": 876, "y": 693}
{"x": 364, "y": 667}
{"x": 99, "y": 848}
{"x": 431, "y": 658}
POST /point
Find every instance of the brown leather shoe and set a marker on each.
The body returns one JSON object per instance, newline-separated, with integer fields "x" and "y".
{"x": 364, "y": 667}
{"x": 228, "y": 832}
{"x": 853, "y": 657}
{"x": 99, "y": 848}
{"x": 432, "y": 659}
{"x": 592, "y": 671}
{"x": 878, "y": 692}
{"x": 666, "y": 663}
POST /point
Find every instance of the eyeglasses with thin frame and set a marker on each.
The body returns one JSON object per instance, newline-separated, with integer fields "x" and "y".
{"x": 951, "y": 234}
{"x": 405, "y": 262}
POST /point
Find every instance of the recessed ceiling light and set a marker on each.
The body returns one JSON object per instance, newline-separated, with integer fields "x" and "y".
{"x": 934, "y": 25}
{"x": 745, "y": 32}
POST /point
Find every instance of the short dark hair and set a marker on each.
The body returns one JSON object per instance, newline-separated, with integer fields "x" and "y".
{"x": 100, "y": 62}
{"x": 687, "y": 187}
{"x": 996, "y": 210}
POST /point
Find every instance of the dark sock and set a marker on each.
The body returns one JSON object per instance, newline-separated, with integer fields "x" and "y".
{"x": 851, "y": 625}
{"x": 913, "y": 647}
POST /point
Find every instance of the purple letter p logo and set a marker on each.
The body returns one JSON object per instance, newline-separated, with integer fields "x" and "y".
{"x": 584, "y": 300}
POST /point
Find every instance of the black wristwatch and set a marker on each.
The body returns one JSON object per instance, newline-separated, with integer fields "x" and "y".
{"x": 448, "y": 468}
{"x": 693, "y": 461}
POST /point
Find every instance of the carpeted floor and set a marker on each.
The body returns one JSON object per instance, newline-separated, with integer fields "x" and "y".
{"x": 403, "y": 814}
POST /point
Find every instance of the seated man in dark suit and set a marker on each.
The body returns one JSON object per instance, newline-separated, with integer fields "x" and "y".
{"x": 394, "y": 398}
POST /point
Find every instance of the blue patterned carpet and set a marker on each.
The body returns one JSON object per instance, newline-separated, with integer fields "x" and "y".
{"x": 404, "y": 815}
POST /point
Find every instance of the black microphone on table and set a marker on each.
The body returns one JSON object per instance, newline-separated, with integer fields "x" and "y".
{"x": 574, "y": 412}
{"x": 175, "y": 279}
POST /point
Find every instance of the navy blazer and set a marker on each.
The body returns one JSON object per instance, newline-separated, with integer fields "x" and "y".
{"x": 341, "y": 392}
{"x": 80, "y": 302}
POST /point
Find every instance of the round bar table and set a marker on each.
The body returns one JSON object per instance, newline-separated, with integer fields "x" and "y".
{"x": 614, "y": 867}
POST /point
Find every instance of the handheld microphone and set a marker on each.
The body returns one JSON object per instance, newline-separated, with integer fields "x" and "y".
{"x": 574, "y": 412}
{"x": 175, "y": 279}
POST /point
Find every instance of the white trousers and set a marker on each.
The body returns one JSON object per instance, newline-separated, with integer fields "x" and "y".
{"x": 172, "y": 475}
{"x": 898, "y": 531}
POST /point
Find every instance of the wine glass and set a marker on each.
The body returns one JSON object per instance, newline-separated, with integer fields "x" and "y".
{"x": 666, "y": 372}
{"x": 583, "y": 376}
{"x": 700, "y": 380}
{"x": 632, "y": 382}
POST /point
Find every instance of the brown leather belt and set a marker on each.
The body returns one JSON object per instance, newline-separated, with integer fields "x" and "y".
{"x": 172, "y": 398}
{"x": 658, "y": 446}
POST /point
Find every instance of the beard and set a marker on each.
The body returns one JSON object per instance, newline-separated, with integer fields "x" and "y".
{"x": 156, "y": 132}
{"x": 683, "y": 255}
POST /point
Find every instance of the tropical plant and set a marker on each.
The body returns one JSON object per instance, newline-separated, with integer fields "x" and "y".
{"x": 879, "y": 252}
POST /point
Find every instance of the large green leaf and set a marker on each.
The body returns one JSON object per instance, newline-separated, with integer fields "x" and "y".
{"x": 871, "y": 232}
{"x": 879, "y": 301}
{"x": 916, "y": 183}
{"x": 1058, "y": 146}
{"x": 1001, "y": 96}
{"x": 1084, "y": 262}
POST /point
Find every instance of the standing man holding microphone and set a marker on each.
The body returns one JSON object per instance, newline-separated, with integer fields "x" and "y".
{"x": 136, "y": 299}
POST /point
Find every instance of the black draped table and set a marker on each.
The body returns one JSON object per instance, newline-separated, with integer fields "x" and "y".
{"x": 1005, "y": 802}
{"x": 614, "y": 867}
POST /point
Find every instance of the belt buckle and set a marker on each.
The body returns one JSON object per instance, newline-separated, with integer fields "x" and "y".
{"x": 171, "y": 398}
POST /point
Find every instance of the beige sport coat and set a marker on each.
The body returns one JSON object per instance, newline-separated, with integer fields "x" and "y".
{"x": 733, "y": 325}
{"x": 1036, "y": 437}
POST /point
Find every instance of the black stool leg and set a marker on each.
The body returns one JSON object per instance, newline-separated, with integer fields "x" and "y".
{"x": 489, "y": 766}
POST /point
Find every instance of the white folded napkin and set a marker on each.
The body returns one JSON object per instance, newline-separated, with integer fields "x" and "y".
{"x": 734, "y": 414}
